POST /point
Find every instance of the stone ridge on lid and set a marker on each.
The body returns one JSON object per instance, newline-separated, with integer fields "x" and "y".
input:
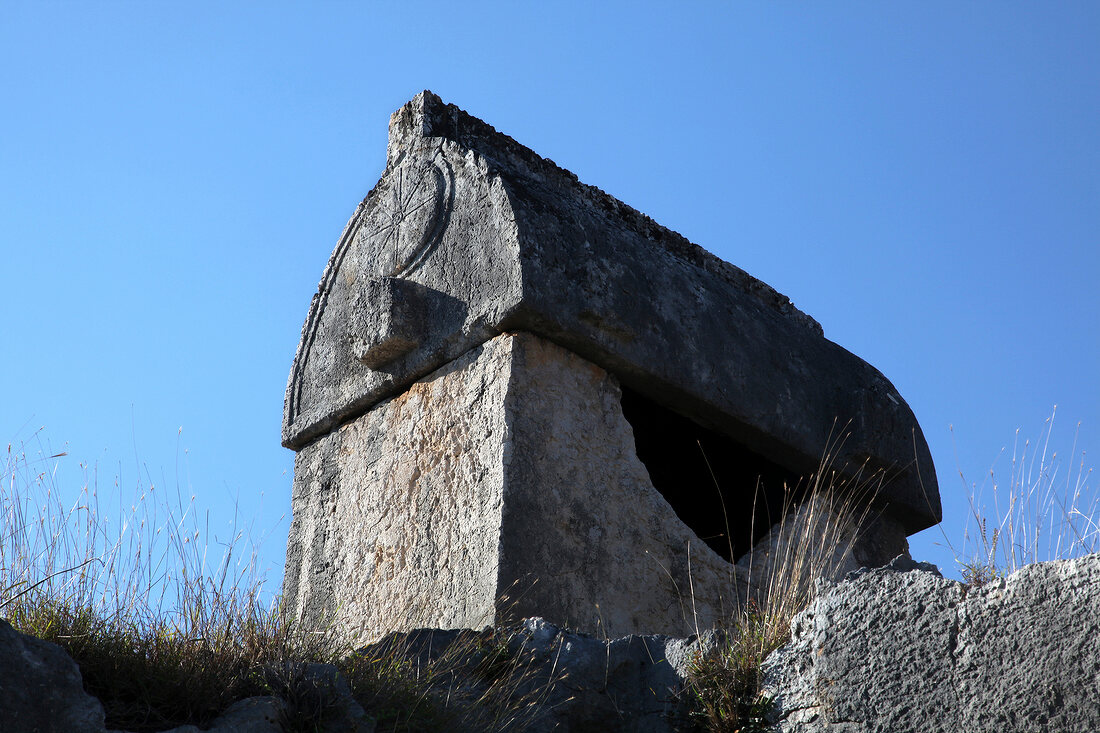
{"x": 428, "y": 116}
{"x": 469, "y": 235}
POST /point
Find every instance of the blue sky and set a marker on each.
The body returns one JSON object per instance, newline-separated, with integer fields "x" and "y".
{"x": 922, "y": 178}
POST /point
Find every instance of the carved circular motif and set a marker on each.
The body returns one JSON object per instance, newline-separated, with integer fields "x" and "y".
{"x": 407, "y": 218}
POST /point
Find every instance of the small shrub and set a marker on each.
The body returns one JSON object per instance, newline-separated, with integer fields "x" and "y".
{"x": 977, "y": 574}
{"x": 725, "y": 680}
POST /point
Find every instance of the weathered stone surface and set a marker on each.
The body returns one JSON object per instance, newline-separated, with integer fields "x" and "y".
{"x": 509, "y": 471}
{"x": 41, "y": 690}
{"x": 500, "y": 239}
{"x": 395, "y": 514}
{"x": 634, "y": 683}
{"x": 390, "y": 320}
{"x": 593, "y": 544}
{"x": 319, "y": 696}
{"x": 575, "y": 683}
{"x": 251, "y": 715}
{"x": 901, "y": 648}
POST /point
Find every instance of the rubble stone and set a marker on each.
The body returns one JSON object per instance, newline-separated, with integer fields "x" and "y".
{"x": 902, "y": 648}
{"x": 41, "y": 689}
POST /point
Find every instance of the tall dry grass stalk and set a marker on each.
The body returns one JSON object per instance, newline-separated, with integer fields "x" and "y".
{"x": 148, "y": 555}
{"x": 814, "y": 539}
{"x": 1046, "y": 511}
{"x": 170, "y": 629}
{"x": 164, "y": 632}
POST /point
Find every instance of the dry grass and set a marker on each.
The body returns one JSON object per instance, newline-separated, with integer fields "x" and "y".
{"x": 1045, "y": 511}
{"x": 1042, "y": 513}
{"x": 814, "y": 539}
{"x": 477, "y": 682}
{"x": 165, "y": 636}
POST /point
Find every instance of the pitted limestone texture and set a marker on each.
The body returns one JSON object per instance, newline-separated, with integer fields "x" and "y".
{"x": 901, "y": 648}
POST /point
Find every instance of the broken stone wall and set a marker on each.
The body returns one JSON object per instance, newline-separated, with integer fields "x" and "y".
{"x": 903, "y": 649}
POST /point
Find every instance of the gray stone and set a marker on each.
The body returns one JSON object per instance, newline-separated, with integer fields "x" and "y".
{"x": 319, "y": 697}
{"x": 41, "y": 689}
{"x": 389, "y": 320}
{"x": 501, "y": 239}
{"x": 574, "y": 683}
{"x": 502, "y": 485}
{"x": 901, "y": 648}
{"x": 251, "y": 715}
{"x": 634, "y": 683}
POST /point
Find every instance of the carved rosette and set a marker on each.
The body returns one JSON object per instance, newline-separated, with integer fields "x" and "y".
{"x": 407, "y": 217}
{"x": 390, "y": 235}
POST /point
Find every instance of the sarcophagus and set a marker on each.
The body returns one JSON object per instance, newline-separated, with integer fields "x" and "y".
{"x": 512, "y": 384}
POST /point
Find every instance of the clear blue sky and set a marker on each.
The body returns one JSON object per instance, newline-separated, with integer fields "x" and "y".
{"x": 922, "y": 178}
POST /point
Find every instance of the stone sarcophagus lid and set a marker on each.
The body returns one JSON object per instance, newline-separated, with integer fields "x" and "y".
{"x": 515, "y": 393}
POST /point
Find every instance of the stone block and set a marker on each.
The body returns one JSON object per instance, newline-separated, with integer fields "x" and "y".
{"x": 902, "y": 648}
{"x": 388, "y": 320}
{"x": 572, "y": 683}
{"x": 504, "y": 483}
{"x": 508, "y": 241}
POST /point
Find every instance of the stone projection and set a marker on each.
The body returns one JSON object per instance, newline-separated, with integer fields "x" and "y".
{"x": 515, "y": 394}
